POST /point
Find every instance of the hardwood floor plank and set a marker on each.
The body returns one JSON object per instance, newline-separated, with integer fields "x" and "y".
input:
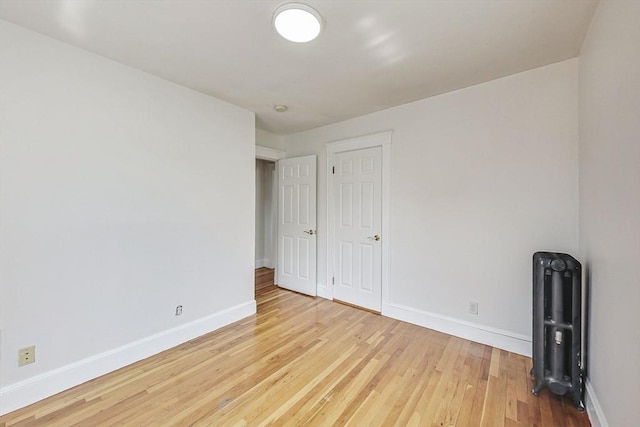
{"x": 303, "y": 361}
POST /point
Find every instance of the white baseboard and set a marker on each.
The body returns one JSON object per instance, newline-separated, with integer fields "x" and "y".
{"x": 265, "y": 262}
{"x": 31, "y": 390}
{"x": 505, "y": 340}
{"x": 594, "y": 410}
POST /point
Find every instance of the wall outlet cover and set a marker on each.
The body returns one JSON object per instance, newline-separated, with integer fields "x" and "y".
{"x": 26, "y": 355}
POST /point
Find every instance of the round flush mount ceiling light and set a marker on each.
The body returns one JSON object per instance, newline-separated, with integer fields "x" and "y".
{"x": 280, "y": 108}
{"x": 297, "y": 22}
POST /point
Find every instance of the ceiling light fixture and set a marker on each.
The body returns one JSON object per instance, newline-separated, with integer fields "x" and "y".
{"x": 280, "y": 108}
{"x": 297, "y": 22}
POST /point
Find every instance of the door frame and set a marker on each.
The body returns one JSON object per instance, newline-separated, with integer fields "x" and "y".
{"x": 383, "y": 140}
{"x": 266, "y": 153}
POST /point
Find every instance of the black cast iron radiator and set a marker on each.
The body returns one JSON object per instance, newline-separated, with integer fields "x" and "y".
{"x": 557, "y": 317}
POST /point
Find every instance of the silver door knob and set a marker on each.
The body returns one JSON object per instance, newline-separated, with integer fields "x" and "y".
{"x": 310, "y": 232}
{"x": 376, "y": 237}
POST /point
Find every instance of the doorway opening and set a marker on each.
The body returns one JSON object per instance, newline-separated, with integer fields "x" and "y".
{"x": 266, "y": 215}
{"x": 266, "y": 210}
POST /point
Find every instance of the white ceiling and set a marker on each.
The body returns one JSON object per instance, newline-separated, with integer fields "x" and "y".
{"x": 370, "y": 56}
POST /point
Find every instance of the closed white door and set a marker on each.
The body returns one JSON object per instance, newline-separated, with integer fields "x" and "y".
{"x": 297, "y": 224}
{"x": 357, "y": 219}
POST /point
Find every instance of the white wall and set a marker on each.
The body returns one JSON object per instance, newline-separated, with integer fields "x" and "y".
{"x": 122, "y": 196}
{"x": 481, "y": 178}
{"x": 269, "y": 140}
{"x": 610, "y": 209}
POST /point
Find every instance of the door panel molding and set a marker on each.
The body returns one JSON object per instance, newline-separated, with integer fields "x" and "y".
{"x": 357, "y": 218}
{"x": 383, "y": 140}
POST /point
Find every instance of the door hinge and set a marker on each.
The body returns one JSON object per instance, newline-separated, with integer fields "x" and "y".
{"x": 333, "y": 280}
{"x": 333, "y": 170}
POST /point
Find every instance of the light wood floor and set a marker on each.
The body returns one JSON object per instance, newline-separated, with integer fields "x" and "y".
{"x": 305, "y": 361}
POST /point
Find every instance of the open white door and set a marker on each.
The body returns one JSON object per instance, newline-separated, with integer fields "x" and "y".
{"x": 297, "y": 224}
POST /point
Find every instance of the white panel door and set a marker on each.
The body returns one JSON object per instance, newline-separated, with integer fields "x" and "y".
{"x": 357, "y": 219}
{"x": 297, "y": 224}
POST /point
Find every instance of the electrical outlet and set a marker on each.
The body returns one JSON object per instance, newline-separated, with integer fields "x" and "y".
{"x": 473, "y": 307}
{"x": 26, "y": 355}
{"x": 178, "y": 310}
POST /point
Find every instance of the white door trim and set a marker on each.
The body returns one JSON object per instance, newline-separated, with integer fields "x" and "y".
{"x": 381, "y": 139}
{"x": 266, "y": 153}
